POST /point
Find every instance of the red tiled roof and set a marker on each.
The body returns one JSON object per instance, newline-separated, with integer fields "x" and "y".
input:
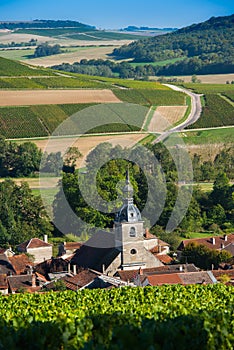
{"x": 22, "y": 281}
{"x": 129, "y": 275}
{"x": 200, "y": 277}
{"x": 3, "y": 281}
{"x": 33, "y": 243}
{"x": 218, "y": 242}
{"x": 218, "y": 273}
{"x": 172, "y": 278}
{"x": 72, "y": 245}
{"x": 40, "y": 277}
{"x": 149, "y": 235}
{"x": 81, "y": 279}
{"x": 162, "y": 243}
{"x": 164, "y": 258}
{"x": 20, "y": 263}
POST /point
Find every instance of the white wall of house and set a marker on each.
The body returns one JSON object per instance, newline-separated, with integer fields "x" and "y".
{"x": 40, "y": 254}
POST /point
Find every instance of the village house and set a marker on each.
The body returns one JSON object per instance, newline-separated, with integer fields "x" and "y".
{"x": 224, "y": 242}
{"x": 40, "y": 250}
{"x": 68, "y": 248}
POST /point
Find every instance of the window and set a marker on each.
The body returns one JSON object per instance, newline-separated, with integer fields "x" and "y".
{"x": 133, "y": 251}
{"x": 132, "y": 232}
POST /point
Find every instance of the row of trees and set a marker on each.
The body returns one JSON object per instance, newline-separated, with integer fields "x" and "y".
{"x": 25, "y": 160}
{"x": 32, "y": 42}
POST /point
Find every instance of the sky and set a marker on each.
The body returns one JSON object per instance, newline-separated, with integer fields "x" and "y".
{"x": 109, "y": 14}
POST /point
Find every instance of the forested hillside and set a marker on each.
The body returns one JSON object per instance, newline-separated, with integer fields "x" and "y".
{"x": 202, "y": 48}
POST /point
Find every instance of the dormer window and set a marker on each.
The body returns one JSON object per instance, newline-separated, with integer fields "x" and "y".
{"x": 132, "y": 232}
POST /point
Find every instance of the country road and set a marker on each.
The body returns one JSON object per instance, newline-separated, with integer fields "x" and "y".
{"x": 194, "y": 115}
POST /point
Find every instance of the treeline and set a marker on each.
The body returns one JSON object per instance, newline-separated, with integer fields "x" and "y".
{"x": 204, "y": 48}
{"x": 43, "y": 24}
{"x": 213, "y": 211}
{"x": 47, "y": 50}
{"x": 108, "y": 68}
{"x": 126, "y": 70}
{"x": 32, "y": 42}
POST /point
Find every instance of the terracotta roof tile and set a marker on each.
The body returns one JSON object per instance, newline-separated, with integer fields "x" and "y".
{"x": 22, "y": 281}
{"x": 149, "y": 235}
{"x": 81, "y": 279}
{"x": 72, "y": 245}
{"x": 20, "y": 263}
{"x": 129, "y": 275}
{"x": 216, "y": 242}
{"x": 199, "y": 277}
{"x": 3, "y": 281}
{"x": 164, "y": 258}
{"x": 173, "y": 278}
{"x": 33, "y": 243}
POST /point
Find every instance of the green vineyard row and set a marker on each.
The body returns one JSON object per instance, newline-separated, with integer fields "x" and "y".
{"x": 217, "y": 112}
{"x": 167, "y": 317}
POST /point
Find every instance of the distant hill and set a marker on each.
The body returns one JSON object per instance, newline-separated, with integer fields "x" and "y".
{"x": 203, "y": 48}
{"x": 137, "y": 29}
{"x": 37, "y": 24}
{"x": 67, "y": 29}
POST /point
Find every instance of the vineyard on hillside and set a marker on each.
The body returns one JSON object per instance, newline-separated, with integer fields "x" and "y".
{"x": 217, "y": 112}
{"x": 42, "y": 120}
{"x": 13, "y": 68}
{"x": 166, "y": 317}
{"x": 152, "y": 97}
{"x": 34, "y": 121}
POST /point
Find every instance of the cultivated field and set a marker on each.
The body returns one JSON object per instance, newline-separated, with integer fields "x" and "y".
{"x": 209, "y": 79}
{"x": 30, "y": 97}
{"x": 86, "y": 144}
{"x": 76, "y": 55}
{"x": 165, "y": 116}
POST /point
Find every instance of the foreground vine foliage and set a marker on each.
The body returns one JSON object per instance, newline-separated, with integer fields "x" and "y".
{"x": 167, "y": 317}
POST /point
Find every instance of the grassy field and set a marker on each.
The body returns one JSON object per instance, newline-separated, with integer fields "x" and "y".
{"x": 18, "y": 55}
{"x": 218, "y": 135}
{"x": 158, "y": 63}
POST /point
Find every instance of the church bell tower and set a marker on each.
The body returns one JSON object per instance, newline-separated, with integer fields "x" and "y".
{"x": 129, "y": 231}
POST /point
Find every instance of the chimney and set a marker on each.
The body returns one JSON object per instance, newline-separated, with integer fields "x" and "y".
{"x": 74, "y": 269}
{"x": 140, "y": 272}
{"x": 147, "y": 233}
{"x": 225, "y": 238}
{"x": 69, "y": 268}
{"x": 46, "y": 238}
{"x": 181, "y": 268}
{"x": 33, "y": 281}
{"x": 103, "y": 269}
{"x": 213, "y": 240}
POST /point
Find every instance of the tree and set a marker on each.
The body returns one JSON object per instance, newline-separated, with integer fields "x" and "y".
{"x": 47, "y": 50}
{"x": 22, "y": 215}
{"x": 203, "y": 257}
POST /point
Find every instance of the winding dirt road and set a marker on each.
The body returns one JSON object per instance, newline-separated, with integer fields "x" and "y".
{"x": 196, "y": 109}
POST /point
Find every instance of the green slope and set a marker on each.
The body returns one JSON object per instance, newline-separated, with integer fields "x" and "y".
{"x": 208, "y": 48}
{"x": 14, "y": 68}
